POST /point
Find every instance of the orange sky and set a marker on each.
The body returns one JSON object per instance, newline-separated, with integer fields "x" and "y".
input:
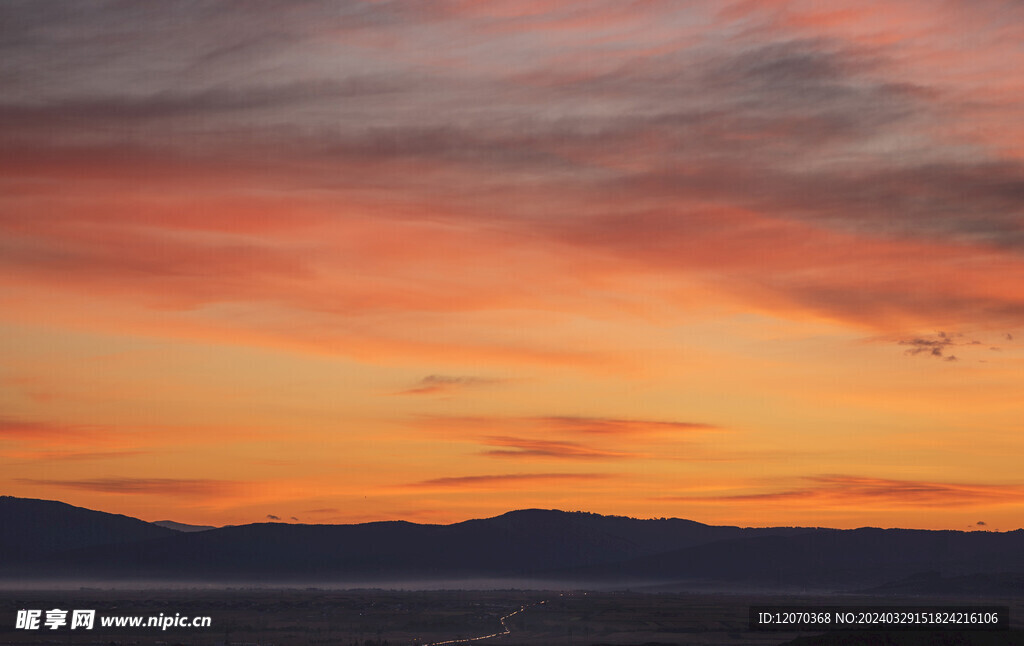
{"x": 755, "y": 263}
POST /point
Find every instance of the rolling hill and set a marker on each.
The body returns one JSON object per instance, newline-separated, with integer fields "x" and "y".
{"x": 48, "y": 539}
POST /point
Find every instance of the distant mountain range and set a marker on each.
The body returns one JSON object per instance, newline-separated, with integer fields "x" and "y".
{"x": 38, "y": 528}
{"x": 182, "y": 527}
{"x": 50, "y": 540}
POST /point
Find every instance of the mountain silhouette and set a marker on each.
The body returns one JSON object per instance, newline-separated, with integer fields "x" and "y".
{"x": 825, "y": 556}
{"x": 182, "y": 527}
{"x": 55, "y": 540}
{"x": 30, "y": 528}
{"x": 516, "y": 544}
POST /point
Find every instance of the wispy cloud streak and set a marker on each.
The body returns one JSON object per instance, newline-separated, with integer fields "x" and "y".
{"x": 504, "y": 481}
{"x": 838, "y": 491}
{"x": 142, "y": 486}
{"x": 517, "y": 447}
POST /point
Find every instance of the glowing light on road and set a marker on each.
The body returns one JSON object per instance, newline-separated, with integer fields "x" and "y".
{"x": 506, "y": 630}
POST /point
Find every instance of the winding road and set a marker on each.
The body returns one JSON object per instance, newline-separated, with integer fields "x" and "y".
{"x": 506, "y": 631}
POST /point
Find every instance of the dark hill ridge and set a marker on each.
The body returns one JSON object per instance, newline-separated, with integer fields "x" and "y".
{"x": 30, "y": 527}
{"x": 865, "y": 556}
{"x": 516, "y": 544}
{"x": 562, "y": 548}
{"x": 182, "y": 527}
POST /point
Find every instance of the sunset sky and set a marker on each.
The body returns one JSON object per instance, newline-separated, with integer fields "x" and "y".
{"x": 744, "y": 262}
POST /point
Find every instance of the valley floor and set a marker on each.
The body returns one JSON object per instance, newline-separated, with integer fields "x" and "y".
{"x": 323, "y": 617}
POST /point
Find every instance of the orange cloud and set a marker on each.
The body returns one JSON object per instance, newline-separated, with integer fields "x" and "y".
{"x": 564, "y": 424}
{"x": 439, "y": 384}
{"x": 143, "y": 486}
{"x": 608, "y": 426}
{"x": 517, "y": 447}
{"x": 593, "y": 438}
{"x": 47, "y": 434}
{"x": 845, "y": 491}
{"x": 43, "y": 456}
{"x": 504, "y": 481}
